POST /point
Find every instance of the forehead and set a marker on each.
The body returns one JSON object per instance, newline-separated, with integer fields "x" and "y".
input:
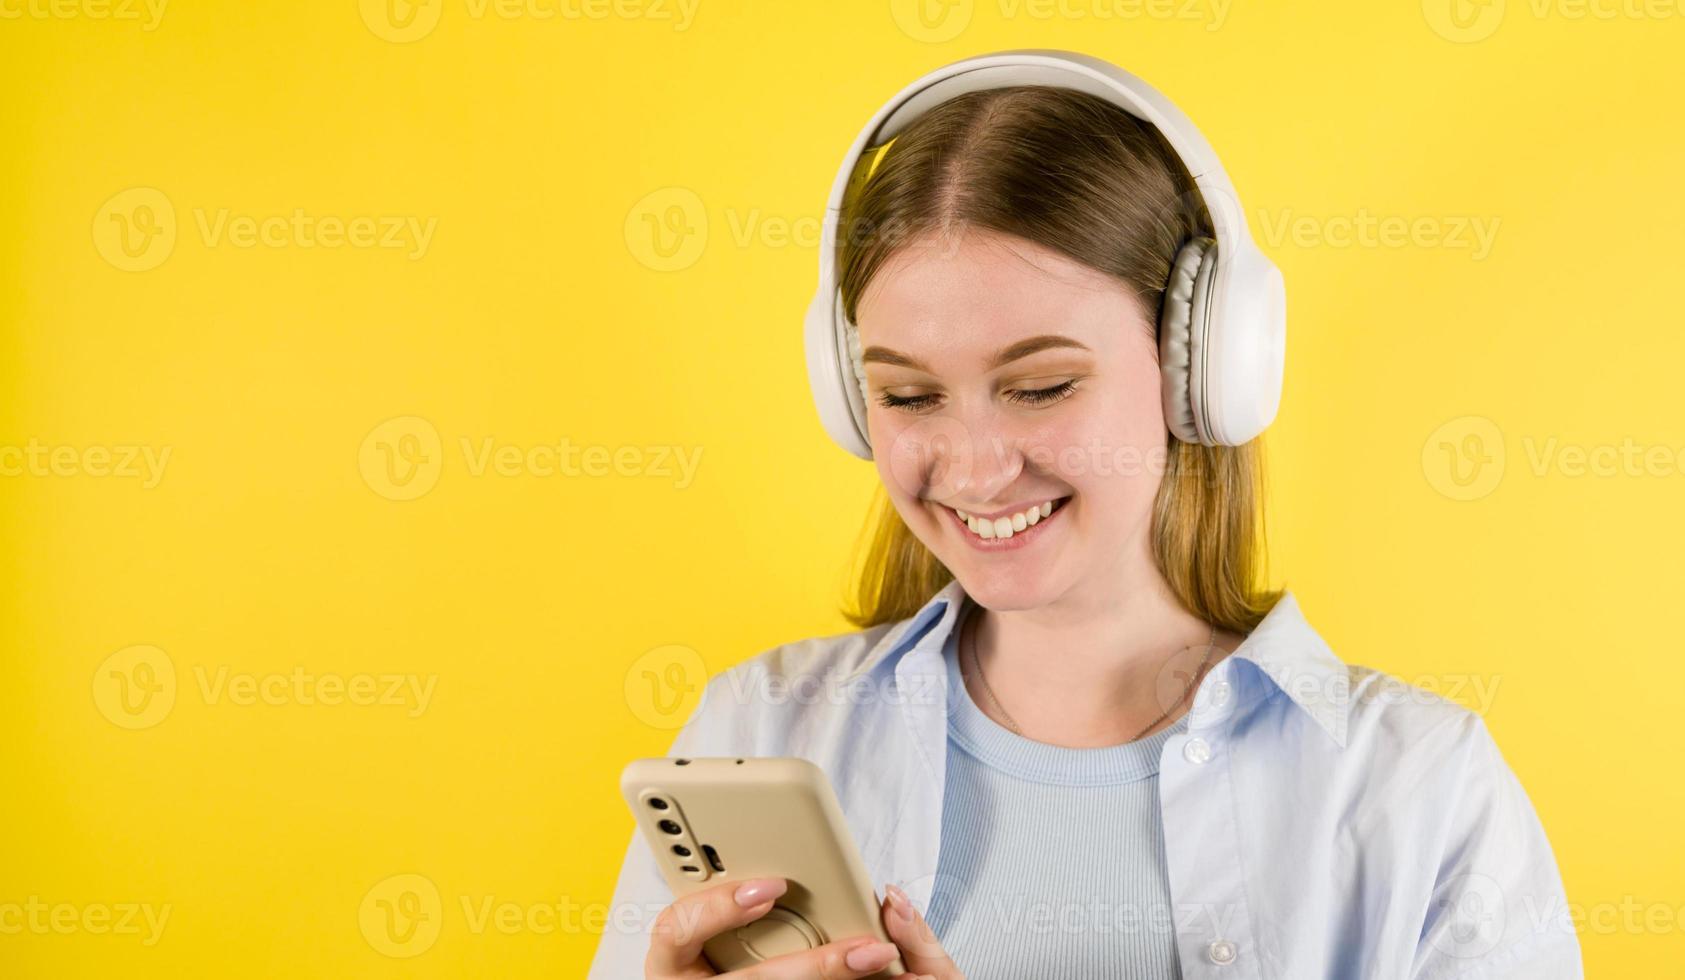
{"x": 976, "y": 291}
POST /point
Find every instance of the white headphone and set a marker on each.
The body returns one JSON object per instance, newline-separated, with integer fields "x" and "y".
{"x": 1222, "y": 330}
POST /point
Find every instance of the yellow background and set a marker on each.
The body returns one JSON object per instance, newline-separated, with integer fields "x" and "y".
{"x": 545, "y": 308}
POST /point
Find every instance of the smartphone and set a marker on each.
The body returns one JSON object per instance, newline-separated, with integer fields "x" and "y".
{"x": 717, "y": 820}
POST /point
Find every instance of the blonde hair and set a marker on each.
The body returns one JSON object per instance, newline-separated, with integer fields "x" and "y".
{"x": 1076, "y": 174}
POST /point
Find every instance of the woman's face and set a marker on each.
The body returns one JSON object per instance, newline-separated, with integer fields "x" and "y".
{"x": 1016, "y": 377}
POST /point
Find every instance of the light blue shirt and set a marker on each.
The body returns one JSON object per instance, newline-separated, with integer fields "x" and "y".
{"x": 1052, "y": 860}
{"x": 1323, "y": 820}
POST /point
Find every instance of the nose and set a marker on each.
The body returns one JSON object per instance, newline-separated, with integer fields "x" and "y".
{"x": 969, "y": 456}
{"x": 995, "y": 465}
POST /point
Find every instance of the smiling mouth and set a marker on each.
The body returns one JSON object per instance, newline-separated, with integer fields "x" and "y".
{"x": 1004, "y": 528}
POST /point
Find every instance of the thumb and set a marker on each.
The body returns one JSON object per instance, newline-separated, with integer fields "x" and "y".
{"x": 921, "y": 952}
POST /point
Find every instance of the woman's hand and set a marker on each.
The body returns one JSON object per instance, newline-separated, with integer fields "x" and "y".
{"x": 675, "y": 947}
{"x": 921, "y": 953}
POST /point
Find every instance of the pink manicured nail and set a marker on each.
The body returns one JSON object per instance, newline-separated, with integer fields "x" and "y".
{"x": 753, "y": 893}
{"x": 874, "y": 956}
{"x": 899, "y": 904}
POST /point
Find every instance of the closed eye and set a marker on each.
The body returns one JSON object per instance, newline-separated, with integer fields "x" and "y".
{"x": 1035, "y": 396}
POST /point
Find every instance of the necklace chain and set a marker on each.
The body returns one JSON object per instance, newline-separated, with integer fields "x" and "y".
{"x": 966, "y": 634}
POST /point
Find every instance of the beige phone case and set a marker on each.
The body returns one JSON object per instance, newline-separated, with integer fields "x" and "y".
{"x": 717, "y": 820}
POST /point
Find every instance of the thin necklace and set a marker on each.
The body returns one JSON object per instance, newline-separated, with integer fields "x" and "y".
{"x": 1211, "y": 647}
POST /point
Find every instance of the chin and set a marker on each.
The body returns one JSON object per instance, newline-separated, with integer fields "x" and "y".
{"x": 1003, "y": 591}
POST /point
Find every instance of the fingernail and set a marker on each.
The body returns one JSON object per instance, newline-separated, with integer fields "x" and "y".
{"x": 875, "y": 956}
{"x": 899, "y": 904}
{"x": 753, "y": 893}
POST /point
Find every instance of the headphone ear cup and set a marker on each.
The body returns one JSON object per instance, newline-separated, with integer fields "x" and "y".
{"x": 1181, "y": 337}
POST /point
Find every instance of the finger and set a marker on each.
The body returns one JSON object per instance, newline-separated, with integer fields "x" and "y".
{"x": 846, "y": 959}
{"x": 921, "y": 952}
{"x": 676, "y": 938}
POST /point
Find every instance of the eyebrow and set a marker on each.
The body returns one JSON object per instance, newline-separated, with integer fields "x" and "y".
{"x": 1006, "y": 355}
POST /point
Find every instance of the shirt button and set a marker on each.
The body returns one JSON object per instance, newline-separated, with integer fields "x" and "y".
{"x": 1220, "y": 693}
{"x": 1221, "y": 952}
{"x": 1196, "y": 750}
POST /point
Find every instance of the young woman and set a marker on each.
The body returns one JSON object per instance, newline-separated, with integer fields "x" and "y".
{"x": 1074, "y": 737}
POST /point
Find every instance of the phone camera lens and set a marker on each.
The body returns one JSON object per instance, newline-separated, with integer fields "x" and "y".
{"x": 671, "y": 827}
{"x": 681, "y": 850}
{"x": 658, "y": 803}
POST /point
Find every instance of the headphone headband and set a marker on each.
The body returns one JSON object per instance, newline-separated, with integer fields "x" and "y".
{"x": 1057, "y": 69}
{"x": 1224, "y": 356}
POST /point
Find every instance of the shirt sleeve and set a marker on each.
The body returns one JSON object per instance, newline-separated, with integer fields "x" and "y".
{"x": 641, "y": 893}
{"x": 1499, "y": 910}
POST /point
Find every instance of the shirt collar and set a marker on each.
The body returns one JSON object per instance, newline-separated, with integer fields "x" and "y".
{"x": 1284, "y": 648}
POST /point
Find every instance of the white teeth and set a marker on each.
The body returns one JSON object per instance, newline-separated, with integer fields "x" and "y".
{"x": 1006, "y": 527}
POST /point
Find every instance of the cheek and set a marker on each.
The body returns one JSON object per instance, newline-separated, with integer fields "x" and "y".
{"x": 898, "y": 454}
{"x": 1115, "y": 447}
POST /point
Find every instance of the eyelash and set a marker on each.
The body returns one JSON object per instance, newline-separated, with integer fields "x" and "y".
{"x": 1038, "y": 396}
